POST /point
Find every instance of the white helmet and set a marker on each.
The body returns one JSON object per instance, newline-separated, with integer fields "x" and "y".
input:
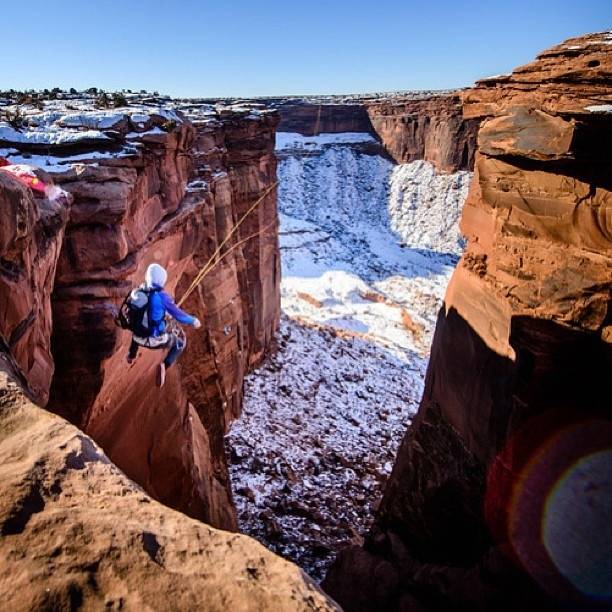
{"x": 156, "y": 276}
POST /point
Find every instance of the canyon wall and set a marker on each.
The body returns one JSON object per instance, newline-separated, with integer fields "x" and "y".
{"x": 417, "y": 126}
{"x": 432, "y": 128}
{"x": 166, "y": 190}
{"x": 310, "y": 119}
{"x": 31, "y": 234}
{"x": 240, "y": 298}
{"x": 75, "y": 532}
{"x": 500, "y": 494}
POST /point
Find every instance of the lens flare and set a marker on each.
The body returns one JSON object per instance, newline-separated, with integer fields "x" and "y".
{"x": 577, "y": 525}
{"x": 549, "y": 501}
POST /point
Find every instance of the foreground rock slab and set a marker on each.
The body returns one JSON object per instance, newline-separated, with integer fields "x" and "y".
{"x": 75, "y": 532}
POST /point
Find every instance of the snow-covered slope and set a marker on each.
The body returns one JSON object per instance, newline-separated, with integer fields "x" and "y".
{"x": 367, "y": 250}
{"x": 424, "y": 206}
{"x": 368, "y": 246}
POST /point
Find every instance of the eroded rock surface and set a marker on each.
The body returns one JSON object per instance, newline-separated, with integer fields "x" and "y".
{"x": 309, "y": 118}
{"x": 77, "y": 534}
{"x": 431, "y": 128}
{"x": 483, "y": 509}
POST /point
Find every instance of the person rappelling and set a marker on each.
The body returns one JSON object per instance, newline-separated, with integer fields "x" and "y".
{"x": 144, "y": 309}
{"x": 144, "y": 312}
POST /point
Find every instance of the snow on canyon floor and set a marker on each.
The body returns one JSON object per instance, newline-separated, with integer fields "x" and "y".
{"x": 367, "y": 251}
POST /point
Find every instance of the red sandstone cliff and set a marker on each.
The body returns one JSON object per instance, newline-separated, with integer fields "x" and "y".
{"x": 432, "y": 128}
{"x": 31, "y": 234}
{"x": 483, "y": 509}
{"x": 75, "y": 532}
{"x": 168, "y": 191}
{"x": 309, "y": 118}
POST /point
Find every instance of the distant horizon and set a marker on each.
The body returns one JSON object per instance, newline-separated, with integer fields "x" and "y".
{"x": 163, "y": 94}
{"x": 204, "y": 49}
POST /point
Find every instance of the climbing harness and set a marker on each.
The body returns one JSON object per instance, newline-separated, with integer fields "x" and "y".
{"x": 133, "y": 316}
{"x": 215, "y": 258}
{"x": 178, "y": 332}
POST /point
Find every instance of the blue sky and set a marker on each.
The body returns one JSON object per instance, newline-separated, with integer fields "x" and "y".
{"x": 239, "y": 48}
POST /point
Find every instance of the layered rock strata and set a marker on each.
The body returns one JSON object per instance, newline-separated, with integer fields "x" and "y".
{"x": 430, "y": 128}
{"x": 311, "y": 118}
{"x": 75, "y": 532}
{"x": 169, "y": 191}
{"x": 500, "y": 495}
{"x": 426, "y": 126}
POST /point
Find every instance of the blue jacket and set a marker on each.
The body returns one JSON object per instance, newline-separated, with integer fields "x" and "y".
{"x": 161, "y": 303}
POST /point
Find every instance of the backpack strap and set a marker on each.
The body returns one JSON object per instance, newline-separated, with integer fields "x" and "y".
{"x": 153, "y": 323}
{"x": 122, "y": 317}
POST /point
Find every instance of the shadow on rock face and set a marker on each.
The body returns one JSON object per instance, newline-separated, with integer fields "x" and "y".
{"x": 522, "y": 521}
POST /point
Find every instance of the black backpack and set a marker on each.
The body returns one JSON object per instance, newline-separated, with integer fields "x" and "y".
{"x": 134, "y": 312}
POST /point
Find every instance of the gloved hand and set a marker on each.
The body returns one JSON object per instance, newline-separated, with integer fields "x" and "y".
{"x": 197, "y": 323}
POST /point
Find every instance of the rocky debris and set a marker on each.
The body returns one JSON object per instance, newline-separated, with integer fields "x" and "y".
{"x": 500, "y": 494}
{"x": 31, "y": 234}
{"x": 321, "y": 423}
{"x": 425, "y": 205}
{"x": 76, "y": 533}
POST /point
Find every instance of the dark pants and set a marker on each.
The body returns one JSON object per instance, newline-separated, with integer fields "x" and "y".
{"x": 175, "y": 346}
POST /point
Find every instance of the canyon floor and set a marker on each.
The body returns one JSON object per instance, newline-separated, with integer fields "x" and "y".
{"x": 367, "y": 250}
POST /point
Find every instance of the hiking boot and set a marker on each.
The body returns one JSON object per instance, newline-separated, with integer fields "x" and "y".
{"x": 161, "y": 374}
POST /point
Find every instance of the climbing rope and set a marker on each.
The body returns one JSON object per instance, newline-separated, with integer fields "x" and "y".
{"x": 318, "y": 123}
{"x": 239, "y": 244}
{"x": 214, "y": 258}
